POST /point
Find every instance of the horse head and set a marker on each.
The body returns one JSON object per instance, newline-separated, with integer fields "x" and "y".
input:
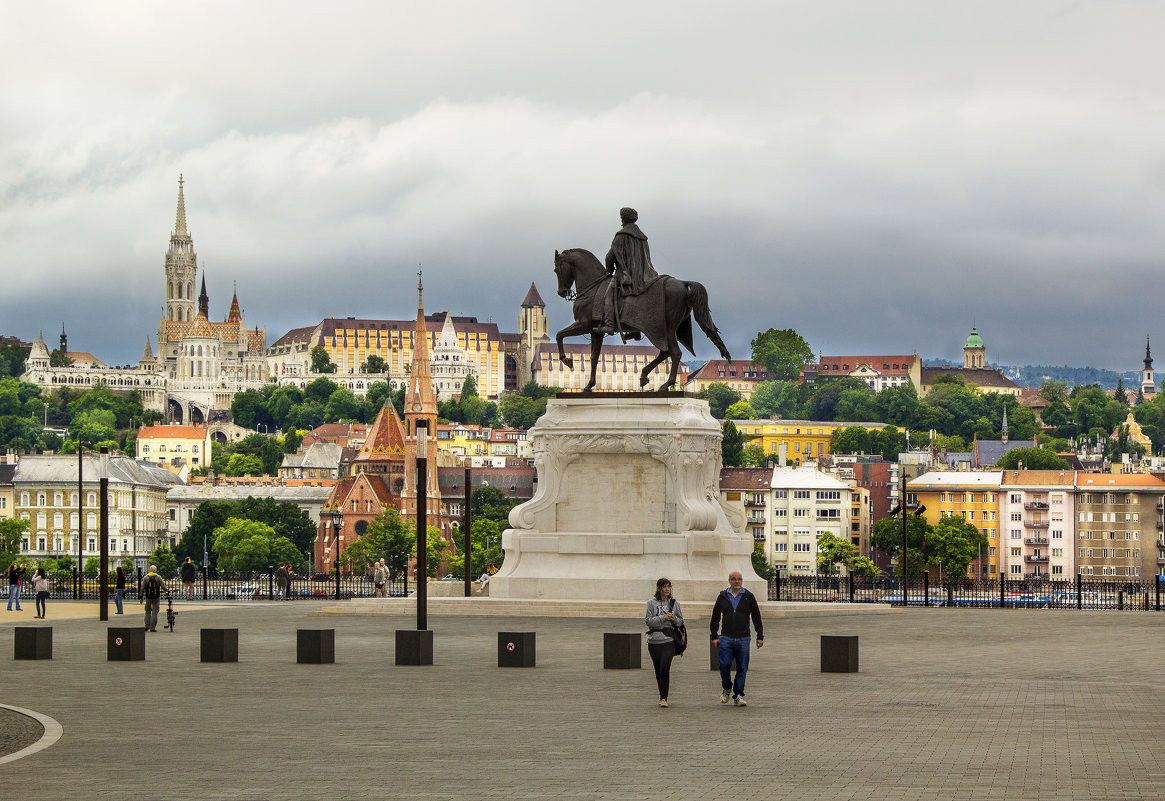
{"x": 565, "y": 272}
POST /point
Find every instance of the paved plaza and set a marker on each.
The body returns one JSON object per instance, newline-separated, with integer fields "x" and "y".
{"x": 949, "y": 704}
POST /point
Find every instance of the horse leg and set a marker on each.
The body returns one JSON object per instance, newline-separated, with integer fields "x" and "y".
{"x": 596, "y": 349}
{"x": 645, "y": 375}
{"x": 674, "y": 353}
{"x": 574, "y": 330}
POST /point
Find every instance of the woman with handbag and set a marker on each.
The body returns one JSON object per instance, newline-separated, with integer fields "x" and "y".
{"x": 119, "y": 590}
{"x": 40, "y": 585}
{"x": 663, "y": 618}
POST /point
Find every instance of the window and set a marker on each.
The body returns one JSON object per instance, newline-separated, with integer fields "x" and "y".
{"x": 829, "y": 495}
{"x": 781, "y": 547}
{"x": 1057, "y": 570}
{"x": 801, "y": 546}
{"x": 1016, "y": 534}
{"x": 1057, "y": 534}
{"x": 1016, "y": 552}
{"x": 780, "y": 513}
{"x": 40, "y": 499}
{"x": 802, "y": 495}
{"x": 1017, "y": 569}
{"x": 800, "y": 513}
{"x": 828, "y": 514}
{"x": 1016, "y": 516}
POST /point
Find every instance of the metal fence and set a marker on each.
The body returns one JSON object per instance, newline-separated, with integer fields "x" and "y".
{"x": 212, "y": 585}
{"x": 1080, "y": 592}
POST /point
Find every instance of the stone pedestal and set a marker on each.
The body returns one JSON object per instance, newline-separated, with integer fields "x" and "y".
{"x": 516, "y": 649}
{"x": 219, "y": 645}
{"x": 628, "y": 491}
{"x": 126, "y": 644}
{"x": 33, "y": 642}
{"x": 414, "y": 646}
{"x": 315, "y": 646}
{"x": 839, "y": 654}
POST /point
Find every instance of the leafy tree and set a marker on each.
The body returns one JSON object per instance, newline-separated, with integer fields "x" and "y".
{"x": 783, "y": 353}
{"x": 320, "y": 390}
{"x": 490, "y": 503}
{"x": 244, "y": 464}
{"x": 1119, "y": 394}
{"x": 374, "y": 364}
{"x": 1054, "y": 391}
{"x": 731, "y": 445}
{"x": 11, "y": 535}
{"x": 486, "y": 539}
{"x": 851, "y": 439}
{"x": 164, "y": 559}
{"x": 291, "y": 441}
{"x": 759, "y": 563}
{"x": 57, "y": 358}
{"x": 887, "y": 537}
{"x": 519, "y": 411}
{"x": 823, "y": 405}
{"x": 535, "y": 391}
{"x": 719, "y": 396}
{"x": 342, "y": 405}
{"x": 864, "y": 567}
{"x": 321, "y": 362}
{"x": 955, "y": 543}
{"x": 398, "y": 402}
{"x": 469, "y": 387}
{"x": 755, "y": 455}
{"x": 1032, "y": 458}
{"x": 740, "y": 411}
{"x": 388, "y": 537}
{"x": 12, "y": 358}
{"x": 375, "y": 397}
{"x": 241, "y": 545}
{"x": 832, "y": 550}
{"x": 775, "y": 399}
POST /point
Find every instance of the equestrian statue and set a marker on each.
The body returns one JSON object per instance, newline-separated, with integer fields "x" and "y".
{"x": 627, "y": 296}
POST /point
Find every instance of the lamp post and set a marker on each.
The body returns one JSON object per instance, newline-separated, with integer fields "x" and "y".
{"x": 422, "y": 524}
{"x": 46, "y": 416}
{"x": 338, "y": 523}
{"x": 468, "y": 518}
{"x": 103, "y": 566}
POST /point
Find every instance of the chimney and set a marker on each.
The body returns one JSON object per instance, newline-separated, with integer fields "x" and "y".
{"x": 782, "y": 454}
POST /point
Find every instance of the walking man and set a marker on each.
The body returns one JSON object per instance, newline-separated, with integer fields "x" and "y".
{"x": 282, "y": 581}
{"x": 736, "y": 607}
{"x": 152, "y": 588}
{"x": 380, "y": 577}
{"x": 188, "y": 573}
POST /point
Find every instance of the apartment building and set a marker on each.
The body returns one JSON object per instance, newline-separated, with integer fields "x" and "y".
{"x": 972, "y": 495}
{"x": 805, "y": 504}
{"x": 1118, "y": 524}
{"x": 1036, "y": 513}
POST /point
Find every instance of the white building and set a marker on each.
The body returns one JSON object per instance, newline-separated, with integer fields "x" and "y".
{"x": 45, "y": 492}
{"x": 1037, "y": 519}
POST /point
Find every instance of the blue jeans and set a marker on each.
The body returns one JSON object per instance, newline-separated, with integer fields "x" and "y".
{"x": 118, "y": 595}
{"x": 733, "y": 648}
{"x": 13, "y": 595}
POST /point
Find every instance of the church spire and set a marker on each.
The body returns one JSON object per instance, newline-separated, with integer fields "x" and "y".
{"x": 1148, "y": 356}
{"x": 1005, "y": 424}
{"x": 203, "y": 298}
{"x": 180, "y": 220}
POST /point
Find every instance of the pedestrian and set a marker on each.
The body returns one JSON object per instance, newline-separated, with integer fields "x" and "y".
{"x": 290, "y": 577}
{"x": 380, "y": 577}
{"x": 15, "y": 572}
{"x": 736, "y": 606}
{"x": 119, "y": 591}
{"x": 189, "y": 571}
{"x": 662, "y": 617}
{"x": 40, "y": 585}
{"x": 281, "y": 582}
{"x": 152, "y": 588}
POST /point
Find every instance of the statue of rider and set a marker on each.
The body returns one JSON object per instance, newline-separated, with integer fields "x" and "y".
{"x": 629, "y": 263}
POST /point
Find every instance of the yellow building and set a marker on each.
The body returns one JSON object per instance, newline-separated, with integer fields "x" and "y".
{"x": 174, "y": 445}
{"x": 742, "y": 377}
{"x": 802, "y": 439}
{"x": 7, "y": 498}
{"x": 972, "y": 495}
{"x": 478, "y": 446}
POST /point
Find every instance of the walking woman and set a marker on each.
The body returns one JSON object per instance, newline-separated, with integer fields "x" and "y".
{"x": 663, "y": 615}
{"x": 119, "y": 592}
{"x": 40, "y": 585}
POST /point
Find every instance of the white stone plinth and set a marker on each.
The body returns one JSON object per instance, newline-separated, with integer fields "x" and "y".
{"x": 628, "y": 491}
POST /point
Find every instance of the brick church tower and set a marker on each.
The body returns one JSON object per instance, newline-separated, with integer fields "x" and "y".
{"x": 420, "y": 404}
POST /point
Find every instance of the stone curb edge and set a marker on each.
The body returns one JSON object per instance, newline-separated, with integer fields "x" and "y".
{"x": 52, "y": 733}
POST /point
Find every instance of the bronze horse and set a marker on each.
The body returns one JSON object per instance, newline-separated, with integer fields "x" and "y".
{"x": 663, "y": 313}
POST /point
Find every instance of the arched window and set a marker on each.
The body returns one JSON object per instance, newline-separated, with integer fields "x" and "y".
{"x": 58, "y": 499}
{"x": 40, "y": 499}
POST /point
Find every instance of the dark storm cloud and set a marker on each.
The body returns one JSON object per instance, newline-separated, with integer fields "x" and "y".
{"x": 878, "y": 176}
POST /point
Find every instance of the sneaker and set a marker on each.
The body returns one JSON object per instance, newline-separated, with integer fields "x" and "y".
{"x": 724, "y": 696}
{"x": 739, "y": 701}
{"x": 663, "y": 702}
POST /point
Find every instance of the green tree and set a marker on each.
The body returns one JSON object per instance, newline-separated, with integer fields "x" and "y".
{"x": 719, "y": 396}
{"x": 863, "y": 567}
{"x": 731, "y": 445}
{"x": 775, "y": 399}
{"x": 740, "y": 411}
{"x": 535, "y": 391}
{"x": 291, "y": 441}
{"x": 342, "y": 405}
{"x": 518, "y": 411}
{"x": 784, "y": 353}
{"x": 832, "y": 550}
{"x": 321, "y": 362}
{"x": 755, "y": 455}
{"x": 1032, "y": 459}
{"x": 11, "y": 535}
{"x": 164, "y": 559}
{"x": 1054, "y": 391}
{"x": 486, "y": 539}
{"x": 242, "y": 545}
{"x": 244, "y": 464}
{"x": 320, "y": 390}
{"x": 490, "y": 503}
{"x": 851, "y": 439}
{"x": 887, "y": 537}
{"x": 954, "y": 543}
{"x": 759, "y": 563}
{"x": 374, "y": 364}
{"x": 57, "y": 358}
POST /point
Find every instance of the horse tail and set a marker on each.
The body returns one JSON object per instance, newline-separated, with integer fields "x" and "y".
{"x": 698, "y": 300}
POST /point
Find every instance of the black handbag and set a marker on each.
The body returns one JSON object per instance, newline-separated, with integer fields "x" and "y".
{"x": 679, "y": 632}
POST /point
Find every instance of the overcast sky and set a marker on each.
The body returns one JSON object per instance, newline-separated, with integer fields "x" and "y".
{"x": 878, "y": 176}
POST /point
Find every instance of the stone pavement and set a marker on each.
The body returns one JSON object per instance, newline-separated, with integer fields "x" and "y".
{"x": 949, "y": 704}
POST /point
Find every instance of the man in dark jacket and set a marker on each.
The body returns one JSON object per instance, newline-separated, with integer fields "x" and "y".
{"x": 189, "y": 571}
{"x": 736, "y": 607}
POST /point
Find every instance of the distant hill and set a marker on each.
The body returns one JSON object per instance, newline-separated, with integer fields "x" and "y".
{"x": 1033, "y": 375}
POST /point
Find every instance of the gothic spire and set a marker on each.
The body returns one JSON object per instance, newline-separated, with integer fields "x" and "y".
{"x": 1148, "y": 356}
{"x": 180, "y": 221}
{"x": 203, "y": 298}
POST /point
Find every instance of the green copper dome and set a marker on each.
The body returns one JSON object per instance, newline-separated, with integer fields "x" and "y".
{"x": 973, "y": 339}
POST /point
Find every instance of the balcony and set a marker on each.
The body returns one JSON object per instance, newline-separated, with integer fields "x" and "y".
{"x": 1035, "y": 541}
{"x": 757, "y": 519}
{"x": 754, "y": 504}
{"x": 1035, "y": 523}
{"x": 1035, "y": 505}
{"x": 1036, "y": 560}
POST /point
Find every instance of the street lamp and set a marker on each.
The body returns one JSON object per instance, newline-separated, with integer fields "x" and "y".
{"x": 46, "y": 416}
{"x": 338, "y": 523}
